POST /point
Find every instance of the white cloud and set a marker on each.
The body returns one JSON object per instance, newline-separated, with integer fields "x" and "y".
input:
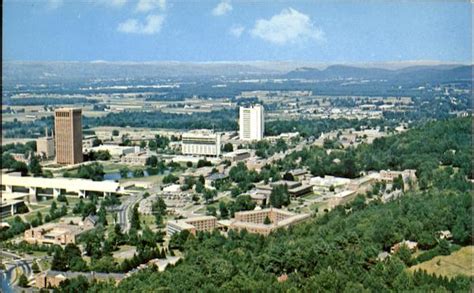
{"x": 290, "y": 26}
{"x": 222, "y": 8}
{"x": 236, "y": 30}
{"x": 113, "y": 3}
{"x": 54, "y": 4}
{"x": 148, "y": 5}
{"x": 151, "y": 25}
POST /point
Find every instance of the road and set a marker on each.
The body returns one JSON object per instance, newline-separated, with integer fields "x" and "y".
{"x": 125, "y": 211}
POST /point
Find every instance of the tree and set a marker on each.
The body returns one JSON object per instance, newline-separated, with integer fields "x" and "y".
{"x": 34, "y": 166}
{"x": 203, "y": 163}
{"x": 199, "y": 187}
{"x": 288, "y": 176}
{"x": 96, "y": 142}
{"x": 159, "y": 210}
{"x": 170, "y": 178}
{"x": 35, "y": 267}
{"x": 152, "y": 161}
{"x": 279, "y": 196}
{"x": 267, "y": 221}
{"x": 124, "y": 172}
{"x": 102, "y": 214}
{"x": 404, "y": 254}
{"x": 228, "y": 147}
{"x": 209, "y": 194}
{"x": 444, "y": 247}
{"x": 138, "y": 173}
{"x": 59, "y": 262}
{"x": 23, "y": 281}
{"x": 212, "y": 211}
{"x": 135, "y": 219}
{"x": 223, "y": 211}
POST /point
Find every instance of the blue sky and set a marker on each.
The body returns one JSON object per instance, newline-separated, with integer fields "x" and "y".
{"x": 155, "y": 30}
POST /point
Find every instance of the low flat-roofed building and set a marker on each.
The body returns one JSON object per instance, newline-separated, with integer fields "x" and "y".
{"x": 298, "y": 174}
{"x": 215, "y": 178}
{"x": 55, "y": 233}
{"x": 295, "y": 188}
{"x": 52, "y": 278}
{"x": 45, "y": 147}
{"x": 300, "y": 190}
{"x": 135, "y": 158}
{"x": 9, "y": 207}
{"x": 254, "y": 221}
{"x": 329, "y": 182}
{"x": 193, "y": 225}
{"x": 237, "y": 155}
{"x": 201, "y": 142}
{"x": 116, "y": 150}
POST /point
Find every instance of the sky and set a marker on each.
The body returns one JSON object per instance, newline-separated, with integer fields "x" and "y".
{"x": 230, "y": 30}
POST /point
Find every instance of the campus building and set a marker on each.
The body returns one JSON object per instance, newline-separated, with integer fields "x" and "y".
{"x": 251, "y": 123}
{"x": 237, "y": 155}
{"x": 68, "y": 131}
{"x": 58, "y": 233}
{"x": 201, "y": 143}
{"x": 204, "y": 223}
{"x": 45, "y": 146}
{"x": 254, "y": 221}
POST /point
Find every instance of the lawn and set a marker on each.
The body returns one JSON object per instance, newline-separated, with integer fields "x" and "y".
{"x": 457, "y": 263}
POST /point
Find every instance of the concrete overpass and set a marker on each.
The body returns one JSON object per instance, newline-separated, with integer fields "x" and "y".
{"x": 59, "y": 185}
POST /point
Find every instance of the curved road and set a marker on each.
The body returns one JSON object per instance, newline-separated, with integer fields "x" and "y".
{"x": 125, "y": 210}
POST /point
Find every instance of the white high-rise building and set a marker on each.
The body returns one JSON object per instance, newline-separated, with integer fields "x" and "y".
{"x": 201, "y": 142}
{"x": 251, "y": 122}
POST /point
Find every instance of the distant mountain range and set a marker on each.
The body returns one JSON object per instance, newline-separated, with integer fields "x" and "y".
{"x": 438, "y": 73}
{"x": 18, "y": 71}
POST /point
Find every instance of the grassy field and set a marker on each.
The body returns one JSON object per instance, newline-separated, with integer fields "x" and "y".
{"x": 458, "y": 263}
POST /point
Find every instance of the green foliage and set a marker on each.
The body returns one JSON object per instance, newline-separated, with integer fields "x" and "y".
{"x": 170, "y": 178}
{"x": 124, "y": 172}
{"x": 159, "y": 210}
{"x": 228, "y": 147}
{"x": 264, "y": 148}
{"x": 335, "y": 253}
{"x": 267, "y": 221}
{"x": 102, "y": 155}
{"x": 279, "y": 196}
{"x": 223, "y": 120}
{"x": 34, "y": 167}
{"x": 203, "y": 163}
{"x": 209, "y": 194}
{"x": 23, "y": 281}
{"x": 135, "y": 219}
{"x": 94, "y": 171}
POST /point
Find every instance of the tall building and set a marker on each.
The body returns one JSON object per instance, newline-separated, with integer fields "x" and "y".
{"x": 68, "y": 129}
{"x": 45, "y": 146}
{"x": 251, "y": 122}
{"x": 201, "y": 142}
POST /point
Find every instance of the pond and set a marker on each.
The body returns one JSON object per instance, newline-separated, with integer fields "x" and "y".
{"x": 117, "y": 176}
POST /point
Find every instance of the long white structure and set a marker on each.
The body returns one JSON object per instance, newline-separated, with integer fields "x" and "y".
{"x": 251, "y": 123}
{"x": 201, "y": 142}
{"x": 58, "y": 185}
